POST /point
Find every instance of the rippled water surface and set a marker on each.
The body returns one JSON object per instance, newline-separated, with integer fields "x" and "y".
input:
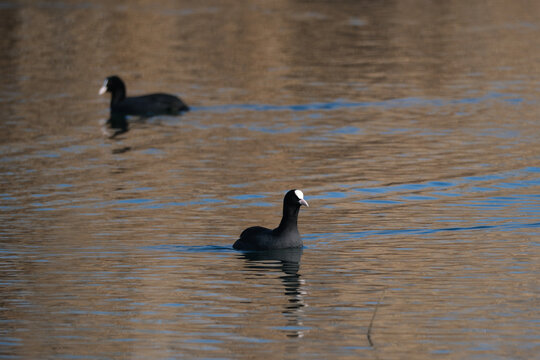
{"x": 411, "y": 126}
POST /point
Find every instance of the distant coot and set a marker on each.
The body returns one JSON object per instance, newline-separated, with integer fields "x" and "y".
{"x": 286, "y": 235}
{"x": 144, "y": 106}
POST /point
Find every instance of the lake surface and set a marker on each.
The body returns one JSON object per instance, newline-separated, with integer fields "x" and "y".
{"x": 412, "y": 128}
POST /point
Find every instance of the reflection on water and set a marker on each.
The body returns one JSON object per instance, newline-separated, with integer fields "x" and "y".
{"x": 115, "y": 125}
{"x": 413, "y": 126}
{"x": 288, "y": 261}
{"x": 121, "y": 150}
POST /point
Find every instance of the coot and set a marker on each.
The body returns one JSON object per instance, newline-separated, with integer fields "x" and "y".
{"x": 145, "y": 105}
{"x": 285, "y": 236}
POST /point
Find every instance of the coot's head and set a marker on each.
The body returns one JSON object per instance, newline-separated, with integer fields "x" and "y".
{"x": 113, "y": 84}
{"x": 294, "y": 198}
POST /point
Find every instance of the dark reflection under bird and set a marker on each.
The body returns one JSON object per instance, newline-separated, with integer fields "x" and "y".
{"x": 287, "y": 261}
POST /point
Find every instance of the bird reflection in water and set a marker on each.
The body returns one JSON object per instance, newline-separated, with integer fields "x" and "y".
{"x": 115, "y": 125}
{"x": 121, "y": 150}
{"x": 288, "y": 261}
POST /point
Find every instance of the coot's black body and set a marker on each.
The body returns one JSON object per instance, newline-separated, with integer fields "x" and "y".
{"x": 149, "y": 105}
{"x": 145, "y": 105}
{"x": 285, "y": 236}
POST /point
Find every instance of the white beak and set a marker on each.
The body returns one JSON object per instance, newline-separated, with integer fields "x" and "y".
{"x": 303, "y": 202}
{"x": 103, "y": 90}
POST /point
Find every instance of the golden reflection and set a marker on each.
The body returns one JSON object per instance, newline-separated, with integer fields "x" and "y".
{"x": 293, "y": 283}
{"x": 414, "y": 125}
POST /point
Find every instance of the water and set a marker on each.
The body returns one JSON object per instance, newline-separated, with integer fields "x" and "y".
{"x": 412, "y": 128}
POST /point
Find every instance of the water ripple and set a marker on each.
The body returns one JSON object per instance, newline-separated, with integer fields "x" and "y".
{"x": 387, "y": 104}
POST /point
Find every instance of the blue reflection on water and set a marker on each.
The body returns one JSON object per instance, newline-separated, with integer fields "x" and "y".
{"x": 341, "y": 104}
{"x": 192, "y": 249}
{"x": 510, "y": 226}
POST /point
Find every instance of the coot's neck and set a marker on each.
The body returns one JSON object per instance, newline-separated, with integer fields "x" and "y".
{"x": 118, "y": 94}
{"x": 289, "y": 220}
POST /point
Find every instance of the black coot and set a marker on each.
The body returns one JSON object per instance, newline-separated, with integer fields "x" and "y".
{"x": 145, "y": 105}
{"x": 285, "y": 236}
